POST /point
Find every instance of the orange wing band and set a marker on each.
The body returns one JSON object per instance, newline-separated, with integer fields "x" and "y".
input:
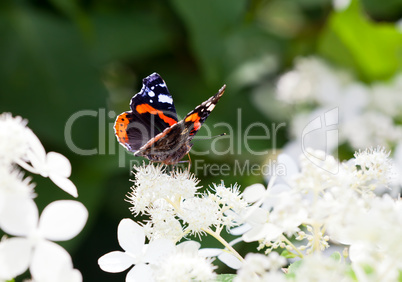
{"x": 195, "y": 118}
{"x": 145, "y": 108}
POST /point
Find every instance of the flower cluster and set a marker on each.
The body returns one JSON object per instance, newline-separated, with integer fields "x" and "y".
{"x": 175, "y": 206}
{"x": 176, "y": 209}
{"x": 32, "y": 246}
{"x": 328, "y": 226}
{"x": 368, "y": 114}
{"x": 314, "y": 212}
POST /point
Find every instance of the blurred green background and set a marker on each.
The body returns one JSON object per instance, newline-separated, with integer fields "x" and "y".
{"x": 60, "y": 57}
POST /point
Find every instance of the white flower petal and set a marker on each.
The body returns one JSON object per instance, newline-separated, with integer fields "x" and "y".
{"x": 115, "y": 262}
{"x": 69, "y": 275}
{"x": 358, "y": 252}
{"x": 64, "y": 184}
{"x": 36, "y": 155}
{"x": 256, "y": 215}
{"x": 75, "y": 276}
{"x": 253, "y": 193}
{"x": 140, "y": 273}
{"x": 267, "y": 231}
{"x": 188, "y": 247}
{"x": 19, "y": 216}
{"x": 58, "y": 164}
{"x": 15, "y": 255}
{"x": 274, "y": 193}
{"x": 63, "y": 220}
{"x": 131, "y": 236}
{"x": 240, "y": 229}
{"x": 158, "y": 249}
{"x": 210, "y": 252}
{"x": 36, "y": 146}
{"x": 289, "y": 164}
{"x": 230, "y": 260}
{"x": 50, "y": 262}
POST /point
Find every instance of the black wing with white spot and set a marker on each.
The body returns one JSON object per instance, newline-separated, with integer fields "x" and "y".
{"x": 153, "y": 106}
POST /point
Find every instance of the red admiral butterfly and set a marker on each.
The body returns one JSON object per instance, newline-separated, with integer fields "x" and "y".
{"x": 151, "y": 128}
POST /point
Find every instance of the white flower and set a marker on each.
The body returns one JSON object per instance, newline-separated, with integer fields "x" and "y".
{"x": 386, "y": 97}
{"x": 12, "y": 182}
{"x": 152, "y": 183}
{"x": 18, "y": 144}
{"x": 163, "y": 223}
{"x": 143, "y": 256}
{"x": 257, "y": 267}
{"x": 224, "y": 255}
{"x": 370, "y": 129}
{"x": 316, "y": 172}
{"x": 199, "y": 213}
{"x": 13, "y": 186}
{"x": 375, "y": 164}
{"x": 186, "y": 265}
{"x": 229, "y": 197}
{"x": 53, "y": 165}
{"x": 13, "y": 139}
{"x": 288, "y": 211}
{"x": 51, "y": 263}
{"x": 15, "y": 256}
{"x": 230, "y": 202}
{"x": 60, "y": 221}
{"x": 374, "y": 237}
{"x": 311, "y": 80}
{"x": 320, "y": 268}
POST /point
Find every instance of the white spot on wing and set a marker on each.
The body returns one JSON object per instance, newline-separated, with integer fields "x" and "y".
{"x": 165, "y": 99}
{"x": 151, "y": 93}
{"x": 211, "y": 107}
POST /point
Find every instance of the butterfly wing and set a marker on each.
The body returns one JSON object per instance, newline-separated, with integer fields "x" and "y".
{"x": 197, "y": 117}
{"x": 152, "y": 111}
{"x": 173, "y": 143}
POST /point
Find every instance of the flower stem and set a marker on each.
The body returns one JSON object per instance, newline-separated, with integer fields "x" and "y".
{"x": 214, "y": 234}
{"x": 316, "y": 239}
{"x": 223, "y": 242}
{"x": 293, "y": 246}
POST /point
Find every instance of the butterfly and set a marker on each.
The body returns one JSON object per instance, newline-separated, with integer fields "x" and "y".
{"x": 151, "y": 129}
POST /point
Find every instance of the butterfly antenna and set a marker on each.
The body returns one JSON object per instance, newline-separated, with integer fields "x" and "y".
{"x": 207, "y": 138}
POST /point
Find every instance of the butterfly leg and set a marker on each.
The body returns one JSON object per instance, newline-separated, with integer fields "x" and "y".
{"x": 187, "y": 161}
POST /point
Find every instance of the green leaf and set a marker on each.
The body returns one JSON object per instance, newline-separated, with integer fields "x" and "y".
{"x": 293, "y": 268}
{"x": 368, "y": 269}
{"x": 287, "y": 254}
{"x": 336, "y": 256}
{"x": 350, "y": 272}
{"x": 373, "y": 49}
{"x": 225, "y": 277}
